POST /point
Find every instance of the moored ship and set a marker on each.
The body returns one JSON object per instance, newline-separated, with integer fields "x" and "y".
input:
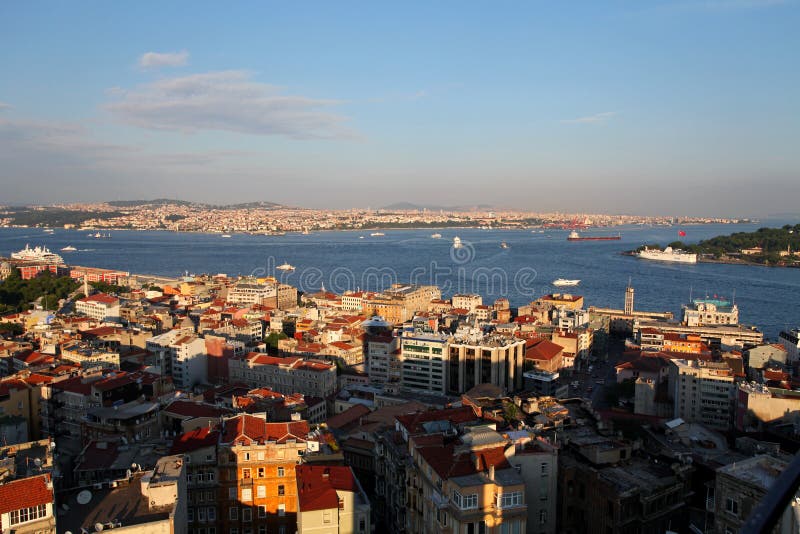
{"x": 575, "y": 236}
{"x": 668, "y": 254}
{"x": 39, "y": 254}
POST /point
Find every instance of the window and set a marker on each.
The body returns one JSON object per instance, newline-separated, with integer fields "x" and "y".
{"x": 247, "y": 495}
{"x": 189, "y": 515}
{"x": 201, "y": 514}
{"x": 212, "y": 514}
{"x": 281, "y": 490}
{"x": 261, "y": 473}
{"x": 732, "y": 506}
{"x": 245, "y": 473}
{"x": 281, "y": 471}
{"x": 508, "y": 500}
{"x": 261, "y": 491}
{"x": 326, "y": 516}
{"x": 262, "y": 511}
{"x": 281, "y": 510}
{"x": 262, "y": 529}
{"x": 233, "y": 513}
{"x": 544, "y": 468}
{"x": 247, "y": 456}
{"x": 247, "y": 514}
{"x": 542, "y": 517}
{"x": 232, "y": 493}
{"x": 260, "y": 456}
{"x": 282, "y": 529}
{"x": 362, "y": 525}
{"x": 469, "y": 502}
{"x": 233, "y": 530}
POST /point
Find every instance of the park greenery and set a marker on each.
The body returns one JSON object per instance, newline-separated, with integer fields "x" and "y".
{"x": 18, "y": 295}
{"x": 772, "y": 242}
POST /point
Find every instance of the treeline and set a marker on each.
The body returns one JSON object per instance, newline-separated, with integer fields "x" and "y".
{"x": 17, "y": 294}
{"x": 55, "y": 216}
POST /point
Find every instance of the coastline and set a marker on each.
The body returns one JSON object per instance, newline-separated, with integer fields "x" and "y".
{"x": 726, "y": 261}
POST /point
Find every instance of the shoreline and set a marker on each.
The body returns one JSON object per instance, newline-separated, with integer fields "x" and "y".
{"x": 722, "y": 261}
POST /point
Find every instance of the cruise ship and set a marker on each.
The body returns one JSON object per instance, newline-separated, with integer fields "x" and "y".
{"x": 40, "y": 254}
{"x": 668, "y": 254}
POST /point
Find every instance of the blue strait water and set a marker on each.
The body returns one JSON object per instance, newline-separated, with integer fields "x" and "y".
{"x": 767, "y": 297}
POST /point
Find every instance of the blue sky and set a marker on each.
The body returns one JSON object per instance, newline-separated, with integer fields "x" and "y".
{"x": 684, "y": 107}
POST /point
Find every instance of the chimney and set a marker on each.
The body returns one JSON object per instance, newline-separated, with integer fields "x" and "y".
{"x": 491, "y": 472}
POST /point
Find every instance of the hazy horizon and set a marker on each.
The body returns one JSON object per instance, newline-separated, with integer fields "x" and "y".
{"x": 684, "y": 107}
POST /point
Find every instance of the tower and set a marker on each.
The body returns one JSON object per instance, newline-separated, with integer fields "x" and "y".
{"x": 629, "y": 299}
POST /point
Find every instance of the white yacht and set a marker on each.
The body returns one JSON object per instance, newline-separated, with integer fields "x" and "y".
{"x": 285, "y": 267}
{"x": 564, "y": 282}
{"x": 457, "y": 242}
{"x": 436, "y": 236}
{"x": 377, "y": 234}
{"x": 69, "y": 248}
{"x": 668, "y": 254}
{"x": 225, "y": 235}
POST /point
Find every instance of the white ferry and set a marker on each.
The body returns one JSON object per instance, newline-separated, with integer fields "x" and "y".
{"x": 40, "y": 254}
{"x": 564, "y": 282}
{"x": 377, "y": 234}
{"x": 436, "y": 236}
{"x": 668, "y": 254}
{"x": 457, "y": 242}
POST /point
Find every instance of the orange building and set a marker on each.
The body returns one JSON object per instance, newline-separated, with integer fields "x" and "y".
{"x": 258, "y": 487}
{"x": 687, "y": 344}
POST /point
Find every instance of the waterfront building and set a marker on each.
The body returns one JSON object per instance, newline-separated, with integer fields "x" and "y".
{"x": 330, "y": 500}
{"x": 703, "y": 392}
{"x": 99, "y": 306}
{"x": 790, "y": 339}
{"x": 286, "y": 375}
{"x": 709, "y": 311}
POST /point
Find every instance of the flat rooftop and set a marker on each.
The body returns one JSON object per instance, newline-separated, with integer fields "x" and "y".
{"x": 124, "y": 504}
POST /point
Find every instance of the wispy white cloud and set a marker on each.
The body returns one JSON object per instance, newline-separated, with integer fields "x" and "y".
{"x": 592, "y": 119}
{"x": 227, "y": 101}
{"x": 154, "y": 60}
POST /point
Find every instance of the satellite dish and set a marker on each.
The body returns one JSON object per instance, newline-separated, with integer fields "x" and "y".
{"x": 84, "y": 497}
{"x": 37, "y": 462}
{"x": 98, "y": 527}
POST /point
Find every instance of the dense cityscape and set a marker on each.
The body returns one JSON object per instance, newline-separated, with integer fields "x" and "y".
{"x": 214, "y": 404}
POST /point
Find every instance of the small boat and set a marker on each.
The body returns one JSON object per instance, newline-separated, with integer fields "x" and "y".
{"x": 361, "y": 237}
{"x": 436, "y": 236}
{"x": 69, "y": 248}
{"x": 98, "y": 235}
{"x": 285, "y": 267}
{"x": 503, "y": 245}
{"x": 49, "y": 230}
{"x": 225, "y": 235}
{"x": 457, "y": 242}
{"x": 564, "y": 282}
{"x": 377, "y": 234}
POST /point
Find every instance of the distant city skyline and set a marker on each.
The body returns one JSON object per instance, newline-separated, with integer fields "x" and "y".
{"x": 684, "y": 107}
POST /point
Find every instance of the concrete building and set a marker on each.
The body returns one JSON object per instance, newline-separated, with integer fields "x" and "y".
{"x": 760, "y": 357}
{"x": 757, "y": 404}
{"x": 287, "y": 375}
{"x": 563, "y": 300}
{"x": 629, "y": 292}
{"x": 466, "y": 301}
{"x": 152, "y": 502}
{"x": 250, "y": 291}
{"x": 99, "y": 306}
{"x": 703, "y": 392}
{"x": 383, "y": 358}
{"x": 473, "y": 358}
{"x": 189, "y": 365}
{"x": 423, "y": 362}
{"x": 330, "y": 500}
{"x": 740, "y": 486}
{"x": 536, "y": 461}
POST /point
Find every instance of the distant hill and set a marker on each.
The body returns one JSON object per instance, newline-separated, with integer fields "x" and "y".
{"x": 261, "y": 204}
{"x": 409, "y": 206}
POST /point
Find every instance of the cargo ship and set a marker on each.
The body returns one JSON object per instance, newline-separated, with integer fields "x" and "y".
{"x": 575, "y": 236}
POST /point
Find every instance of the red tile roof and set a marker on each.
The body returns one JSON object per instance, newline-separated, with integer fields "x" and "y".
{"x": 413, "y": 422}
{"x": 541, "y": 349}
{"x": 349, "y": 416}
{"x": 25, "y": 493}
{"x": 250, "y": 429}
{"x": 101, "y": 298}
{"x": 317, "y": 485}
{"x": 448, "y": 463}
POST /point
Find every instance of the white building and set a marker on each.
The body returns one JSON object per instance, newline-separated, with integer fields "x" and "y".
{"x": 182, "y": 355}
{"x": 466, "y": 301}
{"x": 26, "y": 506}
{"x": 791, "y": 342}
{"x": 703, "y": 392}
{"x": 385, "y": 364}
{"x": 99, "y": 306}
{"x": 708, "y": 311}
{"x": 474, "y": 358}
{"x": 251, "y": 293}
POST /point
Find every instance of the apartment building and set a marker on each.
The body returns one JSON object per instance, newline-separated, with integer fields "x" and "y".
{"x": 423, "y": 362}
{"x": 330, "y": 500}
{"x": 313, "y": 378}
{"x": 99, "y": 306}
{"x": 27, "y": 506}
{"x": 703, "y": 392}
{"x": 258, "y": 483}
{"x": 467, "y": 301}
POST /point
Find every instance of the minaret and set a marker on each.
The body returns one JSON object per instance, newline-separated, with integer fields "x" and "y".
{"x": 629, "y": 298}
{"x": 85, "y": 285}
